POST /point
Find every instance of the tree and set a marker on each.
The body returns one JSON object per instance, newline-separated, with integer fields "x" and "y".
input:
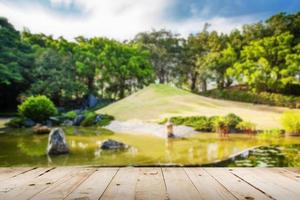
{"x": 15, "y": 61}
{"x": 165, "y": 50}
{"x": 125, "y": 68}
{"x": 264, "y": 65}
{"x": 54, "y": 75}
{"x": 87, "y": 60}
{"x": 219, "y": 62}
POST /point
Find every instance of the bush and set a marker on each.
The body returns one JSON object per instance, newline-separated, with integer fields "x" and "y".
{"x": 232, "y": 120}
{"x": 105, "y": 120}
{"x": 273, "y": 99}
{"x": 70, "y": 115}
{"x": 246, "y": 127}
{"x": 206, "y": 124}
{"x": 273, "y": 133}
{"x": 89, "y": 119}
{"x": 16, "y": 122}
{"x": 37, "y": 108}
{"x": 291, "y": 122}
{"x": 220, "y": 124}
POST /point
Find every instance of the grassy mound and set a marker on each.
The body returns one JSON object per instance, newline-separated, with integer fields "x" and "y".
{"x": 159, "y": 101}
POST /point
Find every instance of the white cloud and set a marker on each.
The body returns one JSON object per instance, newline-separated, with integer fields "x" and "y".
{"x": 120, "y": 19}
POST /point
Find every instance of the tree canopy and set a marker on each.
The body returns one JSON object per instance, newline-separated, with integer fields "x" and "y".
{"x": 264, "y": 56}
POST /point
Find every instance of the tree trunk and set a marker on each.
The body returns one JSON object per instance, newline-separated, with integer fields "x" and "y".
{"x": 91, "y": 84}
{"x": 203, "y": 85}
{"x": 194, "y": 80}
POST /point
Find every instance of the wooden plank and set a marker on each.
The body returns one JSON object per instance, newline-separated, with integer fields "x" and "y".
{"x": 34, "y": 186}
{"x": 287, "y": 173}
{"x": 17, "y": 181}
{"x": 179, "y": 185}
{"x": 150, "y": 184}
{"x": 94, "y": 186}
{"x": 273, "y": 184}
{"x": 6, "y": 173}
{"x": 123, "y": 185}
{"x": 295, "y": 170}
{"x": 207, "y": 186}
{"x": 235, "y": 185}
{"x": 62, "y": 188}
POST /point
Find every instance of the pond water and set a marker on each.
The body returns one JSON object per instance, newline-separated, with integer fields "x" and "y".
{"x": 23, "y": 148}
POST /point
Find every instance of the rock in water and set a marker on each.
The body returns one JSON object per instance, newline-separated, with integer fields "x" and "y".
{"x": 40, "y": 129}
{"x": 57, "y": 142}
{"x": 113, "y": 145}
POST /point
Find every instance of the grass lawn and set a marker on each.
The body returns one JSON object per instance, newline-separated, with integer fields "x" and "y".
{"x": 159, "y": 101}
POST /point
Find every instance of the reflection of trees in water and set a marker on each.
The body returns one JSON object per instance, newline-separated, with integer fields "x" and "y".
{"x": 33, "y": 146}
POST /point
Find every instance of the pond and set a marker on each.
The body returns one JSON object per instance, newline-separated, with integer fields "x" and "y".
{"x": 20, "y": 147}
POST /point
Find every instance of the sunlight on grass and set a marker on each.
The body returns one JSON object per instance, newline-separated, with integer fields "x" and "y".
{"x": 158, "y": 101}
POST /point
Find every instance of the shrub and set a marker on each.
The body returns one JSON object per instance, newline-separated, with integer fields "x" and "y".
{"x": 37, "y": 108}
{"x": 291, "y": 122}
{"x": 273, "y": 133}
{"x": 89, "y": 119}
{"x": 70, "y": 115}
{"x": 105, "y": 120}
{"x": 16, "y": 122}
{"x": 207, "y": 124}
{"x": 220, "y": 124}
{"x": 232, "y": 120}
{"x": 273, "y": 99}
{"x": 246, "y": 127}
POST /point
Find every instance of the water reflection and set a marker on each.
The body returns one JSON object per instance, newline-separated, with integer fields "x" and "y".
{"x": 28, "y": 149}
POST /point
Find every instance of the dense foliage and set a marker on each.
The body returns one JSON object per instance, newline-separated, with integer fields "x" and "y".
{"x": 273, "y": 99}
{"x": 208, "y": 124}
{"x": 291, "y": 122}
{"x": 37, "y": 108}
{"x": 262, "y": 56}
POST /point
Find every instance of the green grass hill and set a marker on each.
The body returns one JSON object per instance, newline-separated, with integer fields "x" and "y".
{"x": 158, "y": 101}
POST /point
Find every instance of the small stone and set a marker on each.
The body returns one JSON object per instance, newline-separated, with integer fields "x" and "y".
{"x": 98, "y": 118}
{"x": 67, "y": 123}
{"x": 29, "y": 123}
{"x": 40, "y": 129}
{"x": 113, "y": 145}
{"x": 57, "y": 142}
{"x": 78, "y": 119}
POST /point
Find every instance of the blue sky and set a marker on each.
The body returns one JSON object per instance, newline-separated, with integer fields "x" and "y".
{"x": 122, "y": 19}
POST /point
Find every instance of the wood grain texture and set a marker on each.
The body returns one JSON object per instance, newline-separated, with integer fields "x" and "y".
{"x": 94, "y": 186}
{"x": 123, "y": 185}
{"x": 239, "y": 188}
{"x": 150, "y": 184}
{"x": 62, "y": 188}
{"x": 179, "y": 185}
{"x": 91, "y": 183}
{"x": 208, "y": 187}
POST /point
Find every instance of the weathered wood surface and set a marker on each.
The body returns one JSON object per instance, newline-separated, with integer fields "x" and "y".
{"x": 149, "y": 183}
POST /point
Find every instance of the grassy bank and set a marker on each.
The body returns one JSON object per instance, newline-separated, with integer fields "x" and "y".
{"x": 158, "y": 101}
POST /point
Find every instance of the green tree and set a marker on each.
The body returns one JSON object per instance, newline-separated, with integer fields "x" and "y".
{"x": 54, "y": 75}
{"x": 165, "y": 50}
{"x": 15, "y": 62}
{"x": 125, "y": 68}
{"x": 264, "y": 65}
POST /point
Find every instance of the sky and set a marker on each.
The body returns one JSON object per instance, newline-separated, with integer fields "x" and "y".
{"x": 123, "y": 19}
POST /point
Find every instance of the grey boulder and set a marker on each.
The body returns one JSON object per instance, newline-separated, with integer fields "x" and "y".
{"x": 57, "y": 142}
